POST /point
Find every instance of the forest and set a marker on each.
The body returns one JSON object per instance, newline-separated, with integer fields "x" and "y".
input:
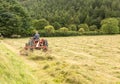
{"x": 59, "y": 17}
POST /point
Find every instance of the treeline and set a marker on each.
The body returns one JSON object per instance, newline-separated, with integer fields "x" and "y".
{"x": 13, "y": 18}
{"x": 66, "y": 17}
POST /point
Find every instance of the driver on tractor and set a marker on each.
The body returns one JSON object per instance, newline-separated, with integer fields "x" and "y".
{"x": 36, "y": 36}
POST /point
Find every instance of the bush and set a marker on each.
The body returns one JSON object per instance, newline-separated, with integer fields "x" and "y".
{"x": 9, "y": 24}
{"x": 40, "y": 24}
{"x": 30, "y": 31}
{"x": 73, "y": 27}
{"x": 81, "y": 30}
{"x": 110, "y": 26}
{"x": 93, "y": 28}
{"x": 92, "y": 33}
{"x": 56, "y": 25}
{"x": 84, "y": 26}
{"x": 119, "y": 23}
{"x": 63, "y": 29}
{"x": 110, "y": 29}
{"x": 68, "y": 33}
{"x": 43, "y": 33}
{"x": 13, "y": 18}
{"x": 58, "y": 33}
{"x": 97, "y": 32}
{"x": 49, "y": 29}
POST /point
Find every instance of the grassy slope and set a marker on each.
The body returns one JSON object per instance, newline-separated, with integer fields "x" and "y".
{"x": 12, "y": 69}
{"x": 76, "y": 60}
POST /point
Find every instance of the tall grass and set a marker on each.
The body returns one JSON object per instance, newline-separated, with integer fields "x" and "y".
{"x": 13, "y": 70}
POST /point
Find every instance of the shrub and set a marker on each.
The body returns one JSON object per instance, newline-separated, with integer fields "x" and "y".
{"x": 69, "y": 33}
{"x": 93, "y": 28}
{"x": 81, "y": 30}
{"x": 110, "y": 29}
{"x": 91, "y": 33}
{"x": 58, "y": 33}
{"x": 40, "y": 24}
{"x": 119, "y": 23}
{"x": 56, "y": 25}
{"x": 13, "y": 18}
{"x": 73, "y": 27}
{"x": 43, "y": 33}
{"x": 63, "y": 29}
{"x": 49, "y": 30}
{"x": 84, "y": 26}
{"x": 110, "y": 26}
{"x": 30, "y": 31}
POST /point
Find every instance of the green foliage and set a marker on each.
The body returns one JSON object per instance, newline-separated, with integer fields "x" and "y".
{"x": 113, "y": 21}
{"x": 84, "y": 26}
{"x": 110, "y": 29}
{"x": 93, "y": 33}
{"x": 10, "y": 23}
{"x": 63, "y": 29}
{"x": 13, "y": 70}
{"x": 30, "y": 31}
{"x": 73, "y": 27}
{"x": 17, "y": 16}
{"x": 93, "y": 28}
{"x": 49, "y": 29}
{"x": 75, "y": 12}
{"x": 56, "y": 25}
{"x": 40, "y": 24}
{"x": 119, "y": 23}
{"x": 81, "y": 30}
{"x": 58, "y": 33}
{"x": 68, "y": 33}
{"x": 13, "y": 18}
{"x": 110, "y": 26}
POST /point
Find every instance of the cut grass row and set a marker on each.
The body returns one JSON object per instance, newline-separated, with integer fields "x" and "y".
{"x": 77, "y": 60}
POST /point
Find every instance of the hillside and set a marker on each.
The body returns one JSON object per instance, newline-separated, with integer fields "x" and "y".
{"x": 66, "y": 12}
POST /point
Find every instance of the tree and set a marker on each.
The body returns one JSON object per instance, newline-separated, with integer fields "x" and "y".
{"x": 84, "y": 26}
{"x": 13, "y": 18}
{"x": 63, "y": 29}
{"x": 75, "y": 12}
{"x": 110, "y": 26}
{"x": 40, "y": 24}
{"x": 49, "y": 29}
{"x": 56, "y": 25}
{"x": 73, "y": 27}
{"x": 93, "y": 28}
{"x": 81, "y": 30}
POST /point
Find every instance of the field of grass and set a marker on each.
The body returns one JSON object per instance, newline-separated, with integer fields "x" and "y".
{"x": 13, "y": 70}
{"x": 73, "y": 60}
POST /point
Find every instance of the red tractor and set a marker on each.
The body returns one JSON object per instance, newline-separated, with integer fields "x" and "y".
{"x": 37, "y": 44}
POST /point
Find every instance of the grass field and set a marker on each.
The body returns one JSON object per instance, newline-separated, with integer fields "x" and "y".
{"x": 73, "y": 60}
